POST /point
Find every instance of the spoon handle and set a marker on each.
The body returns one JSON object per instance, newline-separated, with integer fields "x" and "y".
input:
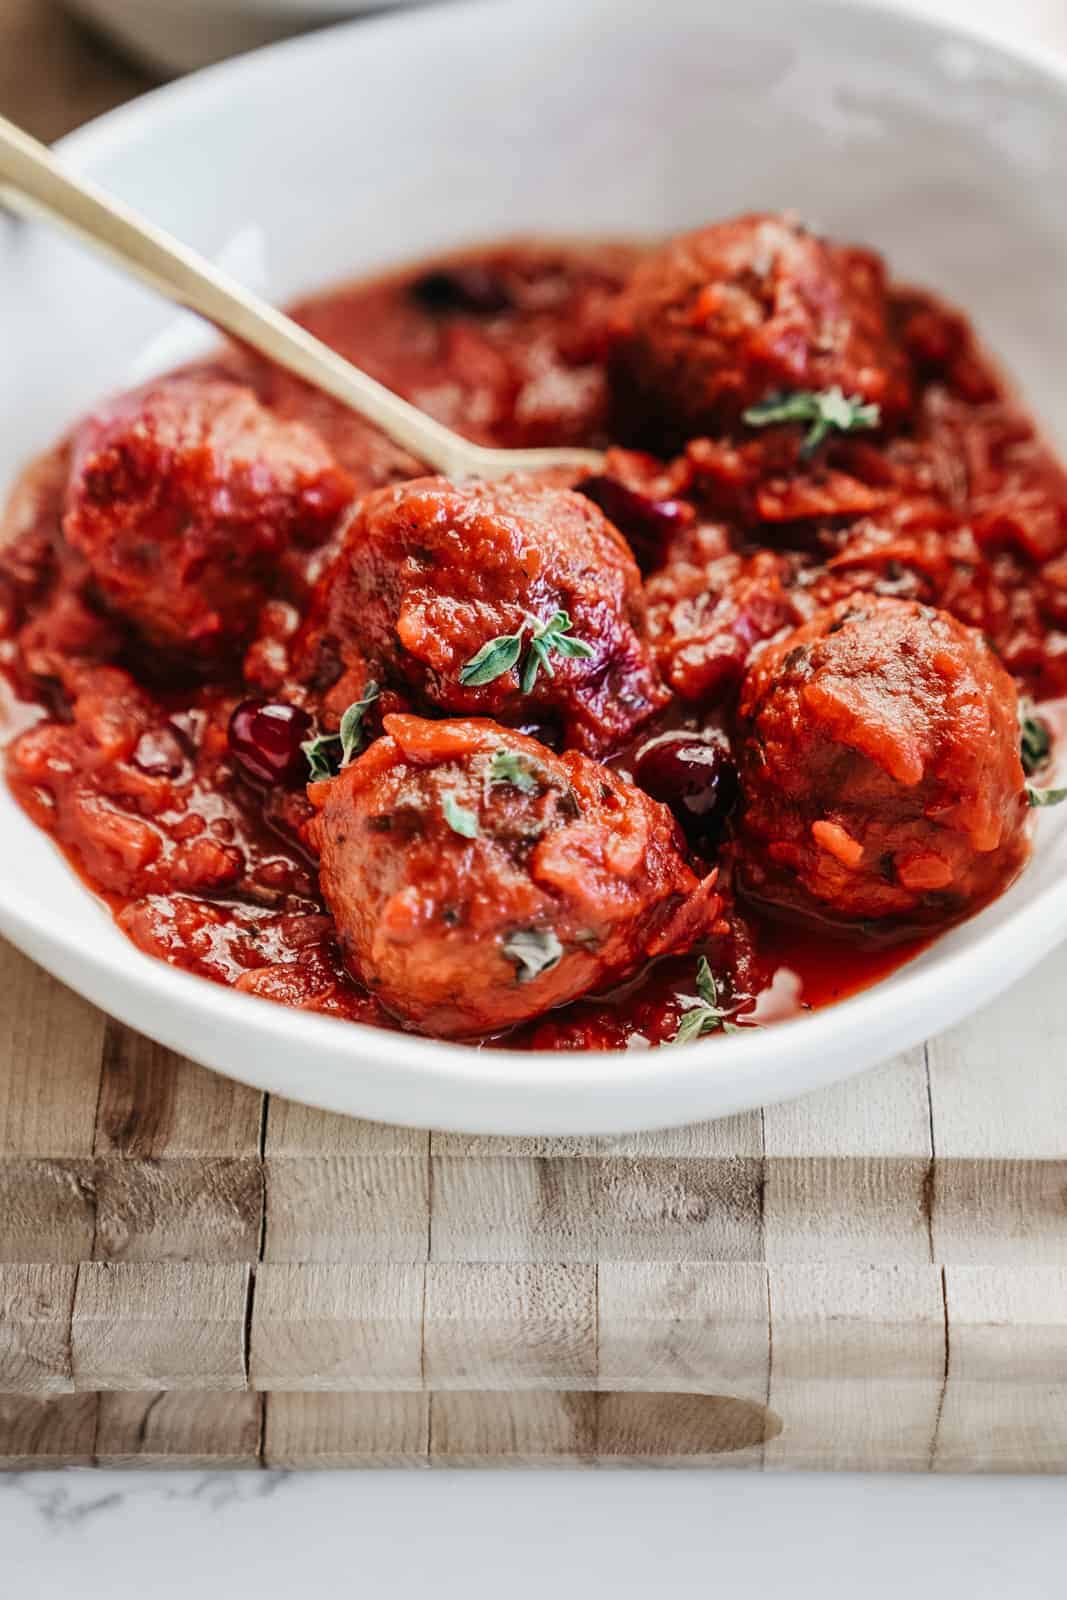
{"x": 33, "y": 183}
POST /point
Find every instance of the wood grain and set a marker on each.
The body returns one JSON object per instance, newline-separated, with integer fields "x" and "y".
{"x": 683, "y": 1430}
{"x": 346, "y": 1430}
{"x": 159, "y": 1326}
{"x": 848, "y": 1169}
{"x": 47, "y": 1209}
{"x": 155, "y": 1103}
{"x": 51, "y": 1046}
{"x": 1005, "y": 1406}
{"x": 509, "y": 1327}
{"x": 178, "y": 1429}
{"x": 46, "y": 1431}
{"x": 296, "y": 1130}
{"x": 36, "y": 1306}
{"x": 546, "y": 1428}
{"x": 347, "y": 1208}
{"x": 688, "y": 1326}
{"x": 337, "y": 1327}
{"x": 857, "y": 1367}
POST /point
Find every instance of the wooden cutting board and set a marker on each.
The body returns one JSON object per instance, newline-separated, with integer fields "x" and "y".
{"x": 875, "y": 1276}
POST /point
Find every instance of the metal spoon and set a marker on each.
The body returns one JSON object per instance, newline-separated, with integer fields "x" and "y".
{"x": 33, "y": 183}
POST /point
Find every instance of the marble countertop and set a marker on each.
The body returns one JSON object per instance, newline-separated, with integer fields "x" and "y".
{"x": 478, "y": 1534}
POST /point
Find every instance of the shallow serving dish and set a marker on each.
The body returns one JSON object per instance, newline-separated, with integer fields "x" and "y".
{"x": 389, "y": 140}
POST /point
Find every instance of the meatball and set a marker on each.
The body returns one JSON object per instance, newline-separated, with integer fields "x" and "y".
{"x": 477, "y": 879}
{"x": 184, "y": 497}
{"x": 719, "y": 319}
{"x": 880, "y": 770}
{"x": 431, "y": 572}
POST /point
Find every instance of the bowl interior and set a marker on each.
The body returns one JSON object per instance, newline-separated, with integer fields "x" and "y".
{"x": 376, "y": 142}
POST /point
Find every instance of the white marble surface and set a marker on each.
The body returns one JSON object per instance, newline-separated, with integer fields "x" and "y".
{"x": 515, "y": 1534}
{"x": 264, "y": 1534}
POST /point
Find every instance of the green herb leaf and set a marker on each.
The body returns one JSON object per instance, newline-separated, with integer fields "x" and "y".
{"x": 351, "y": 732}
{"x": 320, "y": 753}
{"x": 459, "y": 819}
{"x": 1035, "y": 740}
{"x": 822, "y": 410}
{"x": 1045, "y": 797}
{"x": 328, "y": 753}
{"x": 553, "y": 635}
{"x": 511, "y": 766}
{"x": 703, "y": 1013}
{"x": 503, "y": 653}
{"x": 492, "y": 660}
{"x": 533, "y": 950}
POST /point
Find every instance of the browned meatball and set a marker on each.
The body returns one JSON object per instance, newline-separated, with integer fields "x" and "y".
{"x": 880, "y": 770}
{"x": 477, "y": 879}
{"x": 184, "y": 497}
{"x": 431, "y": 572}
{"x": 718, "y": 320}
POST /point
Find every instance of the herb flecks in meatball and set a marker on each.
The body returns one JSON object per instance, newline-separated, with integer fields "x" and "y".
{"x": 880, "y": 770}
{"x": 184, "y": 498}
{"x": 477, "y": 879}
{"x": 718, "y": 321}
{"x": 512, "y": 600}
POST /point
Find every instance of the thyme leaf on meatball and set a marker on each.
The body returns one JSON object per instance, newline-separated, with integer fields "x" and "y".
{"x": 499, "y": 655}
{"x": 459, "y": 819}
{"x": 510, "y": 766}
{"x": 534, "y": 950}
{"x": 553, "y": 635}
{"x": 323, "y": 751}
{"x": 492, "y": 660}
{"x": 1045, "y": 797}
{"x": 823, "y": 411}
{"x": 703, "y": 1014}
{"x": 1035, "y": 740}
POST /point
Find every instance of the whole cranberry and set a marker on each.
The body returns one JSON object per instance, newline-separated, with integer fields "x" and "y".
{"x": 468, "y": 288}
{"x": 646, "y": 524}
{"x": 693, "y": 775}
{"x": 265, "y": 738}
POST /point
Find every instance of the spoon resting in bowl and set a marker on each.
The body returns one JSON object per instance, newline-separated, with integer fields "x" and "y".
{"x": 34, "y": 184}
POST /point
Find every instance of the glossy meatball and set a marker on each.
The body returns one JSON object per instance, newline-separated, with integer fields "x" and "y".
{"x": 430, "y": 572}
{"x": 719, "y": 319}
{"x": 477, "y": 879}
{"x": 184, "y": 497}
{"x": 880, "y": 770}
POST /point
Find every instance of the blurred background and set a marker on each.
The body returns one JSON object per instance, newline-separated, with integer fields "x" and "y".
{"x": 64, "y": 61}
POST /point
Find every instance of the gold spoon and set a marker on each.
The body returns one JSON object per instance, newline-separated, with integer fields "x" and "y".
{"x": 33, "y": 183}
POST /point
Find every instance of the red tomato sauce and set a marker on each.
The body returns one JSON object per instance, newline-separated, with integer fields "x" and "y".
{"x": 129, "y": 767}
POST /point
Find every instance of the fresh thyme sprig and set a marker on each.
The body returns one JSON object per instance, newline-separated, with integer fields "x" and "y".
{"x": 499, "y": 655}
{"x": 323, "y": 751}
{"x": 703, "y": 1014}
{"x": 1035, "y": 740}
{"x": 823, "y": 410}
{"x": 553, "y": 635}
{"x": 1045, "y": 797}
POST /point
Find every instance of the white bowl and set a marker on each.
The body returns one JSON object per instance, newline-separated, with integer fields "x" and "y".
{"x": 383, "y": 140}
